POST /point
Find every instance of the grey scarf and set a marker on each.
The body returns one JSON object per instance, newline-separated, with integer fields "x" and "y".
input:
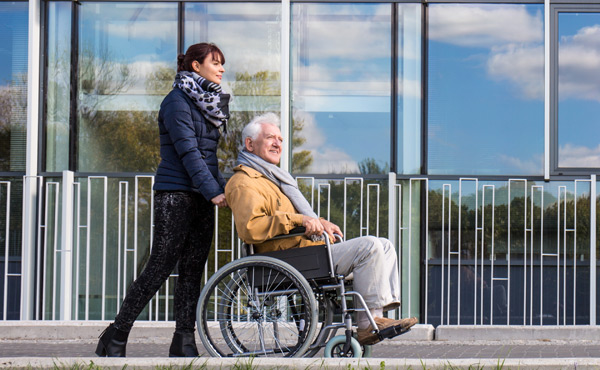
{"x": 282, "y": 179}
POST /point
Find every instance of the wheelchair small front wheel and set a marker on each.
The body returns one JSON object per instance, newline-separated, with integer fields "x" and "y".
{"x": 335, "y": 348}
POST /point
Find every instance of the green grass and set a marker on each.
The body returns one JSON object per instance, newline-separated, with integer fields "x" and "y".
{"x": 286, "y": 364}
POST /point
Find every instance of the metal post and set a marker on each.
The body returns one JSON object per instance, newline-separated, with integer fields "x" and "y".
{"x": 593, "y": 250}
{"x": 66, "y": 255}
{"x": 31, "y": 165}
{"x": 392, "y": 218}
{"x": 285, "y": 85}
{"x": 547, "y": 109}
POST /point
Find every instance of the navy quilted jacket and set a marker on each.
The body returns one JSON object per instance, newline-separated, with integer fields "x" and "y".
{"x": 188, "y": 149}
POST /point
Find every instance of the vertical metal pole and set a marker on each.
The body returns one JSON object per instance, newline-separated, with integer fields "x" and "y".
{"x": 285, "y": 85}
{"x": 66, "y": 255}
{"x": 31, "y": 164}
{"x": 392, "y": 214}
{"x": 547, "y": 110}
{"x": 593, "y": 250}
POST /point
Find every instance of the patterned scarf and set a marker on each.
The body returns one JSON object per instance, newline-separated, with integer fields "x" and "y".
{"x": 206, "y": 95}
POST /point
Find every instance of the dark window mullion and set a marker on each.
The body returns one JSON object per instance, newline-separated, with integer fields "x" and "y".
{"x": 73, "y": 121}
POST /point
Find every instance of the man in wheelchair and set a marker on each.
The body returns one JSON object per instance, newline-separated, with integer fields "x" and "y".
{"x": 266, "y": 202}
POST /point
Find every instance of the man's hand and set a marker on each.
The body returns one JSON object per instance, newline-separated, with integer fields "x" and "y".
{"x": 313, "y": 226}
{"x": 219, "y": 200}
{"x": 331, "y": 228}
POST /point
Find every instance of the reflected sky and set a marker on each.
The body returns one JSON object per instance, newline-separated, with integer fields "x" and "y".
{"x": 579, "y": 89}
{"x": 341, "y": 81}
{"x": 13, "y": 40}
{"x": 485, "y": 96}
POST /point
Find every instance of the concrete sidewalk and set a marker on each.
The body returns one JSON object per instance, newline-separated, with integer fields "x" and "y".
{"x": 46, "y": 345}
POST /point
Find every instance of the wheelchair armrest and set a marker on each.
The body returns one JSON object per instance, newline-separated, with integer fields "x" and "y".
{"x": 300, "y": 230}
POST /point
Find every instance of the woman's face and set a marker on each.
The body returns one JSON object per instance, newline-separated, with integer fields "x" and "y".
{"x": 211, "y": 68}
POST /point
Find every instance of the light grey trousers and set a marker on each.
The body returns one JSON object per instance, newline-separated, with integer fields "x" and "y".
{"x": 374, "y": 266}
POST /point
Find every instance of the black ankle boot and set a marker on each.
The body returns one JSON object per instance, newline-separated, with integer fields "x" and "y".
{"x": 112, "y": 342}
{"x": 183, "y": 345}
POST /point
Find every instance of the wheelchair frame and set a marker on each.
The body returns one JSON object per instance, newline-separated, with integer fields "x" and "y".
{"x": 268, "y": 306}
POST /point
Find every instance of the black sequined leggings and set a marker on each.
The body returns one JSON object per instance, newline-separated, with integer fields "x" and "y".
{"x": 183, "y": 232}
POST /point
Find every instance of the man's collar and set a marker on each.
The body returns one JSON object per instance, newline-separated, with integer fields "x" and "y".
{"x": 248, "y": 171}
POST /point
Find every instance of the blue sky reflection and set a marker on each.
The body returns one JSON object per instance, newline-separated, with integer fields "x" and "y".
{"x": 485, "y": 89}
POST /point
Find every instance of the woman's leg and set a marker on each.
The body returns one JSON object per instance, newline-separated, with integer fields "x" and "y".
{"x": 191, "y": 265}
{"x": 172, "y": 222}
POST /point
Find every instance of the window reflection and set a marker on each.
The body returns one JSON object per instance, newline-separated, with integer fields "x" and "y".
{"x": 578, "y": 90}
{"x": 485, "y": 89}
{"x": 341, "y": 87}
{"x": 127, "y": 61}
{"x": 249, "y": 34}
{"x": 13, "y": 85}
{"x": 409, "y": 88}
{"x": 58, "y": 86}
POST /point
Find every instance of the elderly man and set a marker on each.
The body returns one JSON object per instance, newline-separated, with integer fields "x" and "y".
{"x": 266, "y": 202}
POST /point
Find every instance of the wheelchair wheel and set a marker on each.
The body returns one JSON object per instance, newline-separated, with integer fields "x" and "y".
{"x": 326, "y": 312}
{"x": 257, "y": 306}
{"x": 335, "y": 348}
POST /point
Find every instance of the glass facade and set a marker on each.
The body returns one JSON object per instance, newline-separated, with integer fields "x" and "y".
{"x": 485, "y": 89}
{"x": 422, "y": 122}
{"x": 578, "y": 89}
{"x": 13, "y": 85}
{"x": 341, "y": 85}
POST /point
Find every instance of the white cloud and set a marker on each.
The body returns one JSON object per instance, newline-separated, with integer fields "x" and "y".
{"x": 523, "y": 66}
{"x": 326, "y": 158}
{"x": 484, "y": 25}
{"x": 579, "y": 156}
{"x": 579, "y": 63}
{"x": 518, "y": 166}
{"x": 141, "y": 30}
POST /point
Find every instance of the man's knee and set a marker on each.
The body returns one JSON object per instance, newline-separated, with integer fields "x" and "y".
{"x": 372, "y": 245}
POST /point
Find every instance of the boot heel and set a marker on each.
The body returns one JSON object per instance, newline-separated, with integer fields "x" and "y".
{"x": 112, "y": 342}
{"x": 100, "y": 350}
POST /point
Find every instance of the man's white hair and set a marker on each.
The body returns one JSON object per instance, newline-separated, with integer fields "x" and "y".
{"x": 254, "y": 128}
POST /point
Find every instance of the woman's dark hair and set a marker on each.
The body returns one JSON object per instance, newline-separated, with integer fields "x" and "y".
{"x": 198, "y": 52}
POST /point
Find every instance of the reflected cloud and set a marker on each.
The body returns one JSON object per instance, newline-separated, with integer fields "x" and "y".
{"x": 523, "y": 66}
{"x": 514, "y": 165}
{"x": 513, "y": 35}
{"x": 579, "y": 63}
{"x": 326, "y": 158}
{"x": 484, "y": 25}
{"x": 579, "y": 156}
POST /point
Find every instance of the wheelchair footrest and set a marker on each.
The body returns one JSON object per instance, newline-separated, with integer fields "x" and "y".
{"x": 391, "y": 332}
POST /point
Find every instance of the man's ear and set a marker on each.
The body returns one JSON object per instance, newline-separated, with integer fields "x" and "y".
{"x": 248, "y": 144}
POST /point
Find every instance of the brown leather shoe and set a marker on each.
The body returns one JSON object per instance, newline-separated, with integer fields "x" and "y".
{"x": 367, "y": 337}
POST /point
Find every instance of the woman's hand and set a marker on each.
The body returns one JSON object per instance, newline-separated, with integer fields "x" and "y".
{"x": 219, "y": 201}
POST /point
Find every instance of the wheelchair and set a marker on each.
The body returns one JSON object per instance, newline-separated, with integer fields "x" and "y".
{"x": 282, "y": 304}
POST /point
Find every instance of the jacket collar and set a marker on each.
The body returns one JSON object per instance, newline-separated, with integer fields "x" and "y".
{"x": 248, "y": 171}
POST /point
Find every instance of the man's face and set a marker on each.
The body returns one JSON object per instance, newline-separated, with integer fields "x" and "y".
{"x": 268, "y": 144}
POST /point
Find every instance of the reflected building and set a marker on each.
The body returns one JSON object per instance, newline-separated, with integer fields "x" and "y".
{"x": 466, "y": 133}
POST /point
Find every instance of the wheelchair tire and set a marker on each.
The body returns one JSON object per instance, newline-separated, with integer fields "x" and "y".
{"x": 257, "y": 306}
{"x": 335, "y": 347}
{"x": 326, "y": 311}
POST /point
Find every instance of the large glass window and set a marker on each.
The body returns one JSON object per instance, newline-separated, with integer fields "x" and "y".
{"x": 579, "y": 89}
{"x": 485, "y": 89}
{"x": 249, "y": 34}
{"x": 409, "y": 88}
{"x": 341, "y": 85}
{"x": 127, "y": 60}
{"x": 58, "y": 86}
{"x": 13, "y": 85}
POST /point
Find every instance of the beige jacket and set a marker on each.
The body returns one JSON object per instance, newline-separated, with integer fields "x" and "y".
{"x": 262, "y": 211}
